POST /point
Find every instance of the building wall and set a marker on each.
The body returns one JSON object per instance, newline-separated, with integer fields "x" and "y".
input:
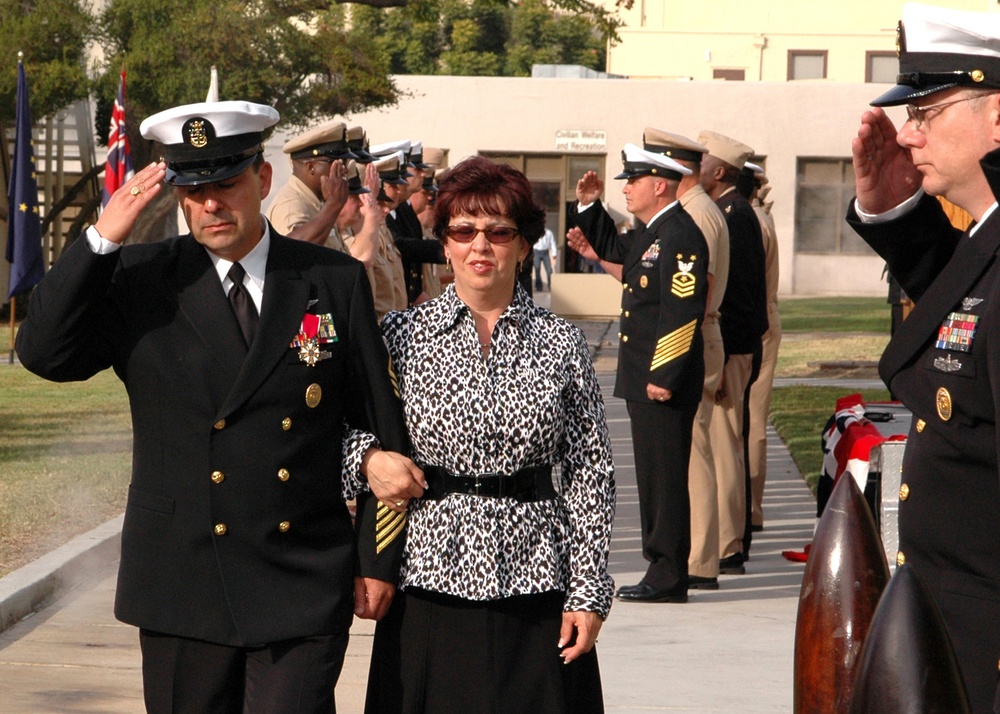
{"x": 783, "y": 122}
{"x": 682, "y": 40}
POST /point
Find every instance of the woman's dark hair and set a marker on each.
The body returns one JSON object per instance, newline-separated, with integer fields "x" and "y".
{"x": 480, "y": 187}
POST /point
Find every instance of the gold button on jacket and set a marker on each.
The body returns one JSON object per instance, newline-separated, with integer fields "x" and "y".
{"x": 220, "y": 425}
{"x": 283, "y": 475}
{"x": 904, "y": 492}
{"x": 218, "y": 477}
{"x": 220, "y": 529}
{"x": 284, "y": 526}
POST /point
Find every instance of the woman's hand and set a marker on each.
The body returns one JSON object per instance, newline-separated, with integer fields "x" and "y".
{"x": 392, "y": 477}
{"x": 581, "y": 626}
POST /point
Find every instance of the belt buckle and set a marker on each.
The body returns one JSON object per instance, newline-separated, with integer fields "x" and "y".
{"x": 479, "y": 484}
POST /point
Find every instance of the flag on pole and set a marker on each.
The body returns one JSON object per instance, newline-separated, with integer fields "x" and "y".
{"x": 119, "y": 167}
{"x": 24, "y": 226}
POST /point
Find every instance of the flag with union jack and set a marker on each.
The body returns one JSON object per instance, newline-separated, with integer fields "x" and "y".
{"x": 119, "y": 166}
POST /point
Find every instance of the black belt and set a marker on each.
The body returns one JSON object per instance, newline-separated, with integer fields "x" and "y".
{"x": 529, "y": 484}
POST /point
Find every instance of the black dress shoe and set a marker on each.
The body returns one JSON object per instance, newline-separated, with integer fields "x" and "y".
{"x": 733, "y": 565}
{"x": 629, "y": 588}
{"x": 696, "y": 582}
{"x": 647, "y": 593}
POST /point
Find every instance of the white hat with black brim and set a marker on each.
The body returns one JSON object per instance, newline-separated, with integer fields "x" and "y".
{"x": 940, "y": 48}
{"x": 636, "y": 161}
{"x": 209, "y": 141}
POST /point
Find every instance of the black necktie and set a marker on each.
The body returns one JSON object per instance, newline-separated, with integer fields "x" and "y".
{"x": 242, "y": 303}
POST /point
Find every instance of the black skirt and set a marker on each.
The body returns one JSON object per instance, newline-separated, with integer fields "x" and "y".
{"x": 438, "y": 654}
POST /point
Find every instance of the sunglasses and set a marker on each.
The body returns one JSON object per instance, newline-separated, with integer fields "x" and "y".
{"x": 494, "y": 234}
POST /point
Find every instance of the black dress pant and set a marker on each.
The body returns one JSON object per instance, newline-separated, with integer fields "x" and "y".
{"x": 661, "y": 439}
{"x": 191, "y": 676}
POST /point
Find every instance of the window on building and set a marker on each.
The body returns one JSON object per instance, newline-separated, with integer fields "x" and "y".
{"x": 807, "y": 64}
{"x": 730, "y": 75}
{"x": 881, "y": 67}
{"x": 824, "y": 189}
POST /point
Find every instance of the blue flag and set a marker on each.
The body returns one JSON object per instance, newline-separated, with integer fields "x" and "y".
{"x": 24, "y": 226}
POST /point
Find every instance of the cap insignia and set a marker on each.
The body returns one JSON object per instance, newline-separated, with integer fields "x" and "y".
{"x": 198, "y": 132}
{"x": 900, "y": 39}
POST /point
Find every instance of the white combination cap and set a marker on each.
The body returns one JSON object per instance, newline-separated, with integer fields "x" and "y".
{"x": 209, "y": 141}
{"x": 940, "y": 48}
{"x": 636, "y": 161}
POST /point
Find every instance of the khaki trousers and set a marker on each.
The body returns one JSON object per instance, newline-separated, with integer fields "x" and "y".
{"x": 760, "y": 407}
{"x": 726, "y": 434}
{"x": 702, "y": 485}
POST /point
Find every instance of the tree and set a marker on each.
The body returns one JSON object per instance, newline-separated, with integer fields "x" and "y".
{"x": 294, "y": 56}
{"x": 53, "y": 36}
{"x": 541, "y": 36}
{"x": 488, "y": 37}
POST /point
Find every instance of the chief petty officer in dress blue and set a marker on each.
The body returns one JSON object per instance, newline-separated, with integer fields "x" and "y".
{"x": 248, "y": 359}
{"x": 660, "y": 364}
{"x": 944, "y": 360}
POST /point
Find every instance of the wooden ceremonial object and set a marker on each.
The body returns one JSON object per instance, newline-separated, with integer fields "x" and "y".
{"x": 907, "y": 663}
{"x": 844, "y": 577}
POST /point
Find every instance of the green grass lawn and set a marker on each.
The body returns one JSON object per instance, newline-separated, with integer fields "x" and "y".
{"x": 835, "y": 314}
{"x": 65, "y": 455}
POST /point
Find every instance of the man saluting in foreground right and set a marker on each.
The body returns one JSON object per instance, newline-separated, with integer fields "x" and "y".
{"x": 944, "y": 361}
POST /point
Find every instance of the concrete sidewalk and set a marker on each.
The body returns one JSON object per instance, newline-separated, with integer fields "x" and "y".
{"x": 728, "y": 650}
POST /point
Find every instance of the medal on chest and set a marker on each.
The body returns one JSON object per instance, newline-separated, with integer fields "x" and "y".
{"x": 315, "y": 331}
{"x": 957, "y": 332}
{"x": 651, "y": 255}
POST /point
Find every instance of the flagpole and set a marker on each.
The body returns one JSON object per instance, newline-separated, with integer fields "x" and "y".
{"x": 13, "y": 312}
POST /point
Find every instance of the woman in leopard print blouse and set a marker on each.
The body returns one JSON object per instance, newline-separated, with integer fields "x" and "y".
{"x": 504, "y": 577}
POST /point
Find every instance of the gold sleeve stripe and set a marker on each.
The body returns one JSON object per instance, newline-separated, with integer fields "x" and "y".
{"x": 393, "y": 379}
{"x": 673, "y": 345}
{"x": 388, "y": 527}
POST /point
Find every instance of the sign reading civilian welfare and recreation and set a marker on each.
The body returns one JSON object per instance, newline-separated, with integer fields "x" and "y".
{"x": 581, "y": 140}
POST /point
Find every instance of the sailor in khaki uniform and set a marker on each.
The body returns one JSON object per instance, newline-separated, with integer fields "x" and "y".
{"x": 760, "y": 392}
{"x": 743, "y": 321}
{"x": 306, "y": 208}
{"x": 389, "y": 284}
{"x": 660, "y": 368}
{"x": 703, "y": 563}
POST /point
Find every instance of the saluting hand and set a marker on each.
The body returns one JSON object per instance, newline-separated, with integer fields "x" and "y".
{"x": 589, "y": 188}
{"x": 884, "y": 174}
{"x": 123, "y": 209}
{"x": 334, "y": 186}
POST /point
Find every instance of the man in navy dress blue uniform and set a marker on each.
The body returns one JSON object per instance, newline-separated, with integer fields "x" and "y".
{"x": 944, "y": 360}
{"x": 247, "y": 357}
{"x": 660, "y": 362}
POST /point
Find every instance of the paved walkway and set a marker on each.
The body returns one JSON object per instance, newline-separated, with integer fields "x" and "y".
{"x": 724, "y": 651}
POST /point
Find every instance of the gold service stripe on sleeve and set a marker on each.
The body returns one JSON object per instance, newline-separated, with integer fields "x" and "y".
{"x": 393, "y": 379}
{"x": 673, "y": 345}
{"x": 388, "y": 528}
